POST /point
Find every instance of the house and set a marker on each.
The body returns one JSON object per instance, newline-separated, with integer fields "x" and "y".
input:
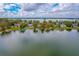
{"x": 74, "y": 25}
{"x": 17, "y": 25}
{"x": 30, "y": 25}
{"x": 62, "y": 25}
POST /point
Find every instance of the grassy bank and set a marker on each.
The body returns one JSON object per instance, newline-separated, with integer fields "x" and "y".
{"x": 7, "y": 25}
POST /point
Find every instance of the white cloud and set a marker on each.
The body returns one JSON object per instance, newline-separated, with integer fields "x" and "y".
{"x": 64, "y": 10}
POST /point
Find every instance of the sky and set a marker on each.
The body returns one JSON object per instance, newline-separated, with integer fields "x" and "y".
{"x": 39, "y": 10}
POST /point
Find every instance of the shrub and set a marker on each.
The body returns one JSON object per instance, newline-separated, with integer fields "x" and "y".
{"x": 68, "y": 28}
{"x": 78, "y": 29}
{"x": 68, "y": 23}
{"x": 34, "y": 30}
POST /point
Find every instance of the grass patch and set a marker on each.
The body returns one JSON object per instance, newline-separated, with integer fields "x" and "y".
{"x": 15, "y": 28}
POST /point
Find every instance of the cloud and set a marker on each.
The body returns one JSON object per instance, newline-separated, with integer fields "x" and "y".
{"x": 31, "y": 6}
{"x": 40, "y": 10}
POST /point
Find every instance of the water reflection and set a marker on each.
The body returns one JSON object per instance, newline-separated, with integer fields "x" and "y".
{"x": 46, "y": 43}
{"x": 5, "y": 33}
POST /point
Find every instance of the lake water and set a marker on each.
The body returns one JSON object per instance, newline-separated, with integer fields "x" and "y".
{"x": 53, "y": 43}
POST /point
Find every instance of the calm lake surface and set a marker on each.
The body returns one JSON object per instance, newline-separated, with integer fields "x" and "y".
{"x": 53, "y": 43}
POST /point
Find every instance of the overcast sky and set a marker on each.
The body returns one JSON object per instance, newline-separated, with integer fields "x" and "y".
{"x": 39, "y": 10}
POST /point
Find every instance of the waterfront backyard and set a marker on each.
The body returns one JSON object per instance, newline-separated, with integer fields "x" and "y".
{"x": 8, "y": 25}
